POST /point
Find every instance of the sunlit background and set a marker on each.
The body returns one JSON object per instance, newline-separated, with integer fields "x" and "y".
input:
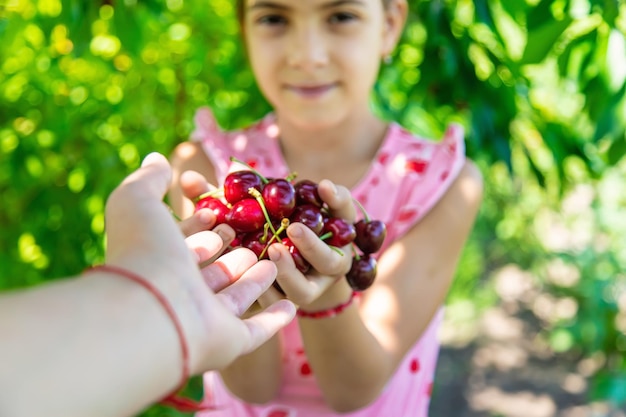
{"x": 536, "y": 320}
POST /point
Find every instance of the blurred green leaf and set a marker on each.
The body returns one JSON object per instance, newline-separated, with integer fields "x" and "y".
{"x": 541, "y": 40}
{"x": 617, "y": 150}
{"x": 611, "y": 386}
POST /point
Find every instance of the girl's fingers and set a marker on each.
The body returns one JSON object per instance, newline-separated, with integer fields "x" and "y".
{"x": 203, "y": 219}
{"x": 300, "y": 289}
{"x": 339, "y": 200}
{"x": 228, "y": 268}
{"x": 323, "y": 258}
{"x": 194, "y": 184}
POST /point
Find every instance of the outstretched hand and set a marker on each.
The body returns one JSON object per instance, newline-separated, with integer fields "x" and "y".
{"x": 144, "y": 238}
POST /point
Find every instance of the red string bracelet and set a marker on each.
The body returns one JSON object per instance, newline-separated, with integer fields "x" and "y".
{"x": 330, "y": 312}
{"x": 172, "y": 400}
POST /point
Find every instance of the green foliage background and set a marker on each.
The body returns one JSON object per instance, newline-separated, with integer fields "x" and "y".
{"x": 89, "y": 88}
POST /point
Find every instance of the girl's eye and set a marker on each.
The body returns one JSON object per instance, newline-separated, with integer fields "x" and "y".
{"x": 342, "y": 17}
{"x": 272, "y": 20}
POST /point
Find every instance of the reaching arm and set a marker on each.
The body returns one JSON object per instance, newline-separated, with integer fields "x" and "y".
{"x": 102, "y": 345}
{"x": 97, "y": 345}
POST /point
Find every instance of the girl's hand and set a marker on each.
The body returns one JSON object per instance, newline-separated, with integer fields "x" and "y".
{"x": 200, "y": 220}
{"x": 327, "y": 265}
{"x": 194, "y": 184}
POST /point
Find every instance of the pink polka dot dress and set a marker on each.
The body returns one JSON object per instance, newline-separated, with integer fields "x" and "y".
{"x": 405, "y": 180}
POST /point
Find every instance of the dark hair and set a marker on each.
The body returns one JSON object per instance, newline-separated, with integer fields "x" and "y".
{"x": 241, "y": 9}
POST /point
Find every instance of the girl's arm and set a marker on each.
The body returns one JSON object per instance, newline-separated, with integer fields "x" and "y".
{"x": 245, "y": 378}
{"x": 255, "y": 377}
{"x": 354, "y": 354}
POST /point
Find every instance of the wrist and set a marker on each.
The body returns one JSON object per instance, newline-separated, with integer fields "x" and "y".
{"x": 170, "y": 298}
{"x": 332, "y": 302}
{"x": 329, "y": 312}
{"x": 180, "y": 296}
{"x": 137, "y": 312}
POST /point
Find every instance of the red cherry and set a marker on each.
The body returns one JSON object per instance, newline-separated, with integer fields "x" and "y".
{"x": 279, "y": 197}
{"x": 306, "y": 193}
{"x": 237, "y": 184}
{"x": 370, "y": 235}
{"x": 302, "y": 264}
{"x": 362, "y": 273}
{"x": 256, "y": 241}
{"x": 246, "y": 216}
{"x": 219, "y": 209}
{"x": 310, "y": 216}
{"x": 236, "y": 242}
{"x": 342, "y": 232}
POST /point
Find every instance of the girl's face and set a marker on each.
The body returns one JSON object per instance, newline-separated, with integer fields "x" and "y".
{"x": 317, "y": 60}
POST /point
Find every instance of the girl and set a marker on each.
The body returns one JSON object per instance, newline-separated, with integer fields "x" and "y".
{"x": 316, "y": 62}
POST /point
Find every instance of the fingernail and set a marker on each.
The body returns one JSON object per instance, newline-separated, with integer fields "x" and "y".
{"x": 151, "y": 158}
{"x": 334, "y": 188}
{"x": 223, "y": 234}
{"x": 205, "y": 216}
{"x": 296, "y": 230}
{"x": 273, "y": 254}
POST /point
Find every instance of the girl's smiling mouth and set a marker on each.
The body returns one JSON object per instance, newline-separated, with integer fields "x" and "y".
{"x": 310, "y": 91}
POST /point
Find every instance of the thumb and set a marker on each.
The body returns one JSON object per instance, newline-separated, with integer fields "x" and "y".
{"x": 154, "y": 158}
{"x": 151, "y": 181}
{"x": 135, "y": 209}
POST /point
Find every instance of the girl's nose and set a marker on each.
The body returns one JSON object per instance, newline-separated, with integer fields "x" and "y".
{"x": 307, "y": 50}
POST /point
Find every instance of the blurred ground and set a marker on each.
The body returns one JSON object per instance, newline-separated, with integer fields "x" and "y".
{"x": 496, "y": 365}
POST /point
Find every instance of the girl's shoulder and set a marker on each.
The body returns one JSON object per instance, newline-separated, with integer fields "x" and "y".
{"x": 413, "y": 172}
{"x": 408, "y": 159}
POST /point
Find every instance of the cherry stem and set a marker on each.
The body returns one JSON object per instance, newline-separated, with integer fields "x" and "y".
{"x": 218, "y": 192}
{"x": 284, "y": 223}
{"x": 234, "y": 159}
{"x": 334, "y": 248}
{"x": 263, "y": 238}
{"x": 355, "y": 252}
{"x": 363, "y": 211}
{"x": 326, "y": 235}
{"x": 291, "y": 176}
{"x": 257, "y": 195}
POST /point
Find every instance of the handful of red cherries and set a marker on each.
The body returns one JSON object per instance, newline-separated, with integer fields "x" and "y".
{"x": 259, "y": 209}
